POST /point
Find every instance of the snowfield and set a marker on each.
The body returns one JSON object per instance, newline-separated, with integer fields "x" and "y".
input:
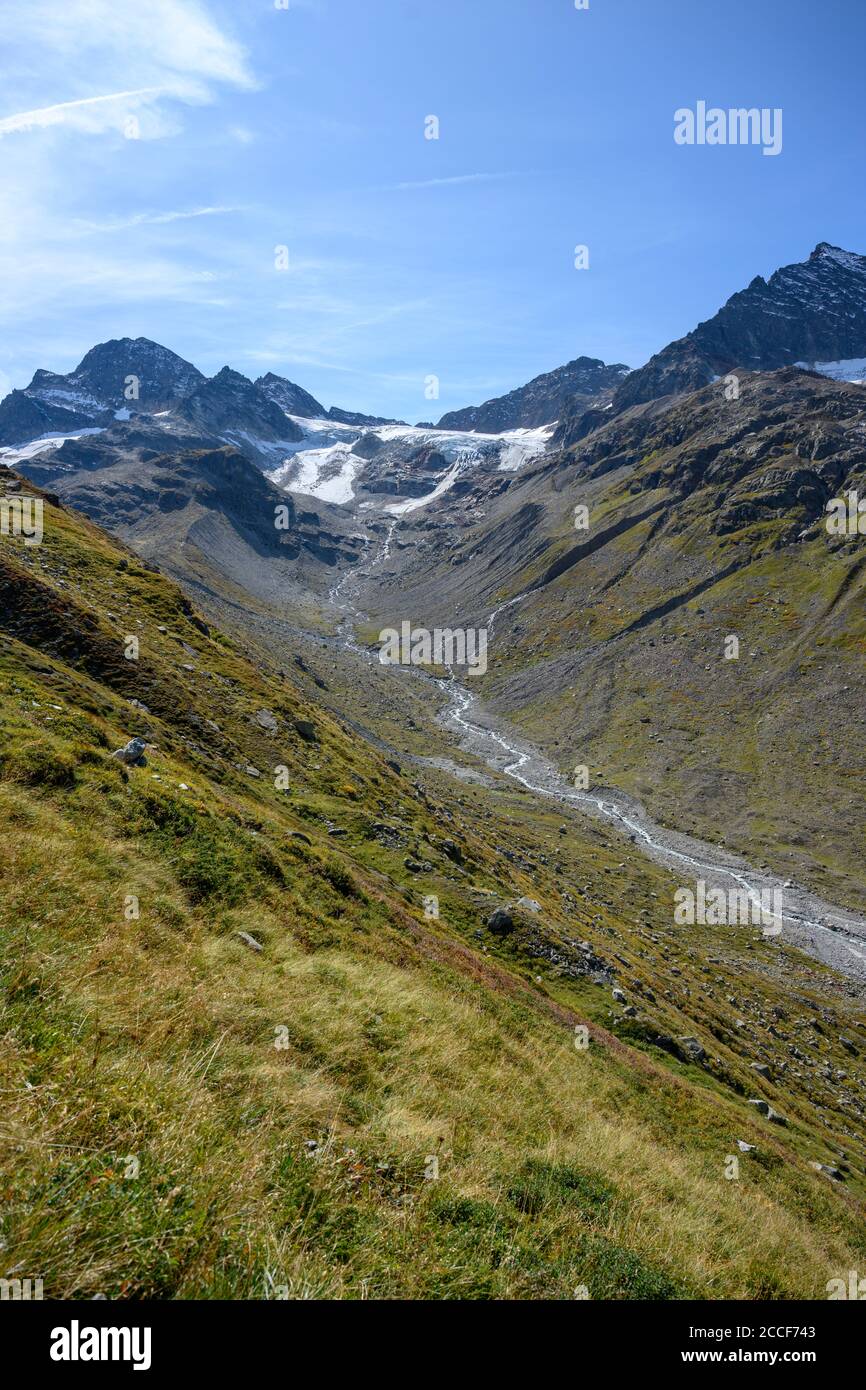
{"x": 15, "y": 452}
{"x": 444, "y": 485}
{"x": 519, "y": 446}
{"x": 853, "y": 369}
{"x": 69, "y": 399}
{"x": 323, "y": 465}
{"x": 328, "y": 473}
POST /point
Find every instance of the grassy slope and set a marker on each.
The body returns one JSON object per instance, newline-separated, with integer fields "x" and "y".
{"x": 153, "y": 1039}
{"x": 777, "y": 748}
{"x": 766, "y": 751}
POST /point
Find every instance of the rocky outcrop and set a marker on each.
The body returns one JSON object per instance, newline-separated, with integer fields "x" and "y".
{"x": 580, "y": 384}
{"x": 813, "y": 311}
{"x": 132, "y": 753}
{"x": 24, "y": 417}
{"x": 354, "y": 417}
{"x": 289, "y": 397}
{"x": 229, "y": 402}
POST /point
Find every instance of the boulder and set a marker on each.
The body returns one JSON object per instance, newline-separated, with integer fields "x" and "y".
{"x": 692, "y": 1049}
{"x": 764, "y": 1108}
{"x": 828, "y": 1171}
{"x": 132, "y": 754}
{"x": 501, "y": 922}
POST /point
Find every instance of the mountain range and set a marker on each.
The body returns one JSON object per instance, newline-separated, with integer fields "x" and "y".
{"x": 134, "y": 376}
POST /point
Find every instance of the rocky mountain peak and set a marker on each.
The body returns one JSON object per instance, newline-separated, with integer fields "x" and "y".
{"x": 293, "y": 399}
{"x": 230, "y": 406}
{"x": 133, "y": 373}
{"x": 161, "y": 376}
{"x": 811, "y": 311}
{"x": 849, "y": 260}
{"x": 585, "y": 382}
{"x": 228, "y": 377}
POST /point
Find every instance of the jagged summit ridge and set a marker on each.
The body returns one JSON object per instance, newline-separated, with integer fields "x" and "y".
{"x": 811, "y": 311}
{"x": 586, "y": 381}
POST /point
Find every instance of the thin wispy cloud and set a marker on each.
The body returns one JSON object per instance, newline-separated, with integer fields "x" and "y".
{"x": 389, "y": 311}
{"x": 120, "y": 282}
{"x": 170, "y": 52}
{"x": 87, "y": 110}
{"x": 454, "y": 179}
{"x": 151, "y": 219}
{"x": 74, "y": 75}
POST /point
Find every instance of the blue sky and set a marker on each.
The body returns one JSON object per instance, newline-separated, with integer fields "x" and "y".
{"x": 408, "y": 258}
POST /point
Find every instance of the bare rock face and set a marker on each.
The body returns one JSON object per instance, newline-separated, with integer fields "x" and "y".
{"x": 355, "y": 417}
{"x": 811, "y": 312}
{"x": 230, "y": 402}
{"x": 368, "y": 446}
{"x": 24, "y": 417}
{"x": 289, "y": 397}
{"x": 128, "y": 374}
{"x": 580, "y": 384}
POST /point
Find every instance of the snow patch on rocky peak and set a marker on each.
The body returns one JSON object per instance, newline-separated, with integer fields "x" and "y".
{"x": 13, "y": 455}
{"x": 850, "y": 260}
{"x": 852, "y": 369}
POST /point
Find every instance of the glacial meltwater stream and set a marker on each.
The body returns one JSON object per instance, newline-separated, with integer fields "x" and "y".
{"x": 830, "y": 934}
